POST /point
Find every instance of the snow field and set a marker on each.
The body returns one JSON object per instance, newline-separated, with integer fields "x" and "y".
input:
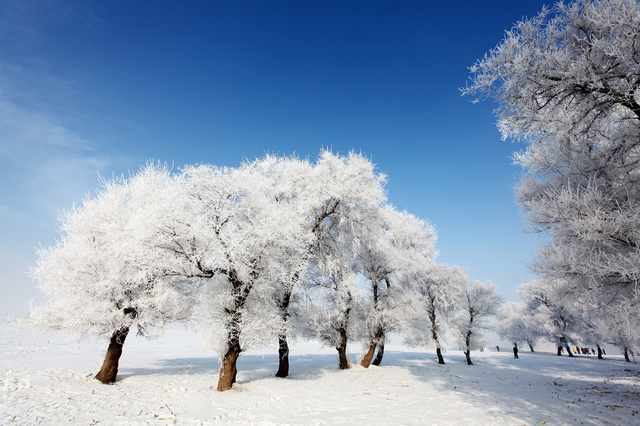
{"x": 48, "y": 379}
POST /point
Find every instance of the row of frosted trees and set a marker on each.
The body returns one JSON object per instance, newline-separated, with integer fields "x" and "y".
{"x": 547, "y": 314}
{"x": 275, "y": 249}
{"x": 568, "y": 85}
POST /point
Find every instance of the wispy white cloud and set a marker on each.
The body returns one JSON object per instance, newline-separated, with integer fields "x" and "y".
{"x": 49, "y": 154}
{"x": 24, "y": 130}
{"x": 45, "y": 162}
{"x": 48, "y": 160}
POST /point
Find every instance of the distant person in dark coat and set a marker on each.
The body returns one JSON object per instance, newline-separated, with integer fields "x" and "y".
{"x": 515, "y": 351}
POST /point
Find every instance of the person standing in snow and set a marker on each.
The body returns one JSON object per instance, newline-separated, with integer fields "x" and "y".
{"x": 515, "y": 351}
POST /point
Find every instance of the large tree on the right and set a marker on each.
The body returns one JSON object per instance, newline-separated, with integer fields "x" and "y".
{"x": 568, "y": 85}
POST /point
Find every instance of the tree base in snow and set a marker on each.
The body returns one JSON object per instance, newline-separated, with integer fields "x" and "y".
{"x": 343, "y": 361}
{"x": 229, "y": 371}
{"x": 467, "y": 355}
{"x": 109, "y": 370}
{"x": 283, "y": 358}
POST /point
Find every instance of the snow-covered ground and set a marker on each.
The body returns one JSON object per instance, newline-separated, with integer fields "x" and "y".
{"x": 48, "y": 379}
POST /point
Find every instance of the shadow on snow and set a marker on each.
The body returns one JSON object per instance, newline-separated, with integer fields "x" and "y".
{"x": 537, "y": 387}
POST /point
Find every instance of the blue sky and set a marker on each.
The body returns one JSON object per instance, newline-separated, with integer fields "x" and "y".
{"x": 93, "y": 87}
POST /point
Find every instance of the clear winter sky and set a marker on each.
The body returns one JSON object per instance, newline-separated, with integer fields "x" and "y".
{"x": 100, "y": 87}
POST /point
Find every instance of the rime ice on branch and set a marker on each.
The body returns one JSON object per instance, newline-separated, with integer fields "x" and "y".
{"x": 568, "y": 86}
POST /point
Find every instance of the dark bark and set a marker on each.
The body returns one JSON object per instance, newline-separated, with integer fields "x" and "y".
{"x": 530, "y": 346}
{"x": 229, "y": 371}
{"x": 599, "y": 351}
{"x": 368, "y": 356}
{"x": 378, "y": 359}
{"x": 283, "y": 357}
{"x": 373, "y": 343}
{"x": 467, "y": 354}
{"x": 467, "y": 341}
{"x": 343, "y": 361}
{"x": 366, "y": 361}
{"x": 283, "y": 345}
{"x": 434, "y": 332}
{"x": 109, "y": 370}
{"x": 562, "y": 343}
{"x": 568, "y": 349}
{"x": 626, "y": 354}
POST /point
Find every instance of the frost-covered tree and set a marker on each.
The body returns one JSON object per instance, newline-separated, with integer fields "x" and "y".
{"x": 395, "y": 246}
{"x": 335, "y": 299}
{"x": 438, "y": 289}
{"x": 237, "y": 241}
{"x": 441, "y": 290}
{"x": 597, "y": 274}
{"x": 568, "y": 85}
{"x": 346, "y": 196}
{"x": 107, "y": 273}
{"x": 555, "y": 319}
{"x": 250, "y": 240}
{"x": 516, "y": 324}
{"x": 479, "y": 303}
{"x": 617, "y": 329}
{"x": 288, "y": 187}
{"x": 589, "y": 334}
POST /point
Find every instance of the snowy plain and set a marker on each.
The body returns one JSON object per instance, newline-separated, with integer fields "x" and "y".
{"x": 48, "y": 379}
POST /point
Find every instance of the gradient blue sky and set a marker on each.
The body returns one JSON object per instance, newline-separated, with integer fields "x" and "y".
{"x": 90, "y": 87}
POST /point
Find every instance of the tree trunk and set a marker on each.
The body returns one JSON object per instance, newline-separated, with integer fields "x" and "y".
{"x": 530, "y": 346}
{"x": 366, "y": 361}
{"x": 343, "y": 361}
{"x": 626, "y": 354}
{"x": 569, "y": 351}
{"x": 283, "y": 357}
{"x": 467, "y": 354}
{"x": 229, "y": 371}
{"x": 434, "y": 332}
{"x": 599, "y": 352}
{"x": 378, "y": 359}
{"x": 109, "y": 370}
{"x": 562, "y": 343}
{"x": 439, "y": 354}
{"x": 467, "y": 342}
{"x": 283, "y": 345}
